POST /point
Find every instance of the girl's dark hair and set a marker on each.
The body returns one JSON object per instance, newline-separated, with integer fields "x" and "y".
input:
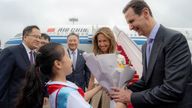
{"x": 33, "y": 91}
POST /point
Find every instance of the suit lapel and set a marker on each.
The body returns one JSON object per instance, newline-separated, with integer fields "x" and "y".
{"x": 70, "y": 58}
{"x": 24, "y": 54}
{"x": 78, "y": 61}
{"x": 68, "y": 53}
{"x": 157, "y": 45}
{"x": 144, "y": 59}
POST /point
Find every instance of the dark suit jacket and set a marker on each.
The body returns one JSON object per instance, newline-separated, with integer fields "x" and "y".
{"x": 14, "y": 62}
{"x": 81, "y": 74}
{"x": 167, "y": 82}
{"x": 0, "y": 50}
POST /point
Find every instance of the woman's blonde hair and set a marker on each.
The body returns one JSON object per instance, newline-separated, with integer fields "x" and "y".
{"x": 107, "y": 32}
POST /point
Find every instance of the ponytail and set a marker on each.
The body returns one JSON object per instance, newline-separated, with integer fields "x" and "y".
{"x": 31, "y": 94}
{"x": 33, "y": 91}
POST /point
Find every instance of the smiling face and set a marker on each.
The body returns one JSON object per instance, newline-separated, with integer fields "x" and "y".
{"x": 72, "y": 42}
{"x": 137, "y": 22}
{"x": 103, "y": 43}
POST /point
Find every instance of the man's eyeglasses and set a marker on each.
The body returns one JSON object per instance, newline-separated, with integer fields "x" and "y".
{"x": 35, "y": 36}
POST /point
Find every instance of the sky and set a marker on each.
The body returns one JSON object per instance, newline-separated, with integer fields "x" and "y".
{"x": 15, "y": 15}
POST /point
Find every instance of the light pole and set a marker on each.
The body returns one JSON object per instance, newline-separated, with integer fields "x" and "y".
{"x": 73, "y": 20}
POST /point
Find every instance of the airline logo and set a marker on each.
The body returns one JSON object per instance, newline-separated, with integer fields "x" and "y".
{"x": 50, "y": 30}
{"x": 64, "y": 31}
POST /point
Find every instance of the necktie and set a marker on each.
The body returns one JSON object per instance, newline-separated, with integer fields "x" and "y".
{"x": 31, "y": 59}
{"x": 74, "y": 59}
{"x": 148, "y": 50}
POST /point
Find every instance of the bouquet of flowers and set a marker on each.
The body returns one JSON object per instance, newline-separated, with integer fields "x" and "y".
{"x": 109, "y": 69}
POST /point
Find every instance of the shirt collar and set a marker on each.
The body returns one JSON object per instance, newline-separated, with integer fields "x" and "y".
{"x": 154, "y": 31}
{"x": 26, "y": 48}
{"x": 70, "y": 51}
{"x": 67, "y": 83}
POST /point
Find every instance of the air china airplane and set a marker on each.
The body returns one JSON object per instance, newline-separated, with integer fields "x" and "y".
{"x": 85, "y": 32}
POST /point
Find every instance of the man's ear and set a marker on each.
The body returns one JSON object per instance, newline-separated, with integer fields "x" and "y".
{"x": 24, "y": 37}
{"x": 145, "y": 12}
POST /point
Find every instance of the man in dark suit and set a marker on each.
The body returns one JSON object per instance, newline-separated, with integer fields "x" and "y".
{"x": 81, "y": 73}
{"x": 14, "y": 62}
{"x": 166, "y": 81}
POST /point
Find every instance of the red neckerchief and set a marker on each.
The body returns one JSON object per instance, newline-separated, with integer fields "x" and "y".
{"x": 54, "y": 87}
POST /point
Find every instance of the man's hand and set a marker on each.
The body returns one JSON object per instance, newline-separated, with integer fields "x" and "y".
{"x": 121, "y": 95}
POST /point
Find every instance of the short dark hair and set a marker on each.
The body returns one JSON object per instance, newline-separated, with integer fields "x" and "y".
{"x": 28, "y": 29}
{"x": 45, "y": 36}
{"x": 137, "y": 6}
{"x": 71, "y": 34}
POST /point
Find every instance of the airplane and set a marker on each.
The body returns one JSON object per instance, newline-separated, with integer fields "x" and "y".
{"x": 85, "y": 32}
